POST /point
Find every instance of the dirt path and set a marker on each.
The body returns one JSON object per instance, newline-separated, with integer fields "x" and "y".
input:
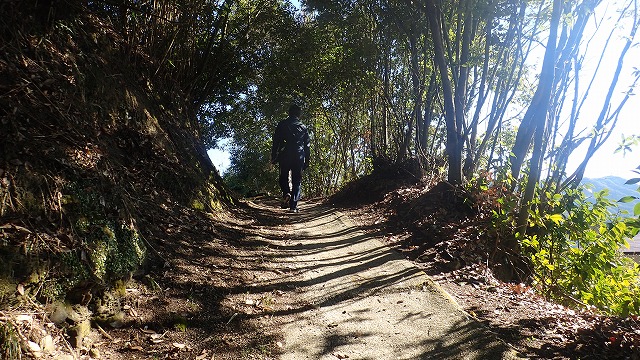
{"x": 265, "y": 284}
{"x": 350, "y": 297}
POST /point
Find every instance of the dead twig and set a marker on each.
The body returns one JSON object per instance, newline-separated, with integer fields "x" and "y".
{"x": 104, "y": 333}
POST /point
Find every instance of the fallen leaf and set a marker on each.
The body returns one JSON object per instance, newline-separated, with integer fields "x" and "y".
{"x": 24, "y": 317}
{"x": 156, "y": 338}
{"x": 341, "y": 355}
{"x": 279, "y": 344}
{"x": 179, "y": 345}
{"x": 47, "y": 345}
{"x": 203, "y": 355}
{"x": 20, "y": 289}
{"x": 34, "y": 347}
{"x": 232, "y": 317}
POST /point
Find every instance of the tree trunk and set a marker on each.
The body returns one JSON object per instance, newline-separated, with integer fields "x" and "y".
{"x": 535, "y": 117}
{"x": 534, "y": 121}
{"x": 454, "y": 143}
{"x": 463, "y": 76}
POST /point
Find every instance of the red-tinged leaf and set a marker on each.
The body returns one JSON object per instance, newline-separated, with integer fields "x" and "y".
{"x": 520, "y": 288}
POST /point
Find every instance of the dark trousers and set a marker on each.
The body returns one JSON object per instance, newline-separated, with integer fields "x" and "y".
{"x": 295, "y": 169}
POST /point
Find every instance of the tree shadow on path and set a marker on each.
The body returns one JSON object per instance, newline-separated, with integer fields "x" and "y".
{"x": 349, "y": 294}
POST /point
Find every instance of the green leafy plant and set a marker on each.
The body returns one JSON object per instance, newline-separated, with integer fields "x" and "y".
{"x": 574, "y": 248}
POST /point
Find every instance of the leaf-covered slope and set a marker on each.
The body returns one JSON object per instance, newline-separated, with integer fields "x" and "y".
{"x": 91, "y": 156}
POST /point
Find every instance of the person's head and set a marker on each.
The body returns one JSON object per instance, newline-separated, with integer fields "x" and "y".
{"x": 295, "y": 111}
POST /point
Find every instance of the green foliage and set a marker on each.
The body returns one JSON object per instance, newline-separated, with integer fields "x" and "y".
{"x": 179, "y": 322}
{"x": 573, "y": 242}
{"x": 496, "y": 198}
{"x": 574, "y": 245}
{"x": 251, "y": 172}
{"x": 628, "y": 143}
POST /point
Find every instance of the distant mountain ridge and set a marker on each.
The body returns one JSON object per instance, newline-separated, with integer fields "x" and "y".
{"x": 617, "y": 190}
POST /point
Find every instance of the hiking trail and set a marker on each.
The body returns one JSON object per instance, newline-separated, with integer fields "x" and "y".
{"x": 354, "y": 298}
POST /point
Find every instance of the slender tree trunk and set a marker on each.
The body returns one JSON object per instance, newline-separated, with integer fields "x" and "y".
{"x": 372, "y": 127}
{"x": 385, "y": 109}
{"x": 463, "y": 76}
{"x": 428, "y": 112}
{"x": 535, "y": 117}
{"x": 454, "y": 145}
{"x": 535, "y": 120}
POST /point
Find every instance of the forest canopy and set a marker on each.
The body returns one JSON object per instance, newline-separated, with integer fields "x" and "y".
{"x": 468, "y": 88}
{"x": 491, "y": 96}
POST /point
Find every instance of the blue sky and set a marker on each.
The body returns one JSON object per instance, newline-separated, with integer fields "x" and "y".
{"x": 220, "y": 157}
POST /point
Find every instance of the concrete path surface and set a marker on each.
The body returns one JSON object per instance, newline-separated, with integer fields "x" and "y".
{"x": 365, "y": 301}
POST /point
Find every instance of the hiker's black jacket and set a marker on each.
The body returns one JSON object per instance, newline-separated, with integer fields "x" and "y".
{"x": 291, "y": 142}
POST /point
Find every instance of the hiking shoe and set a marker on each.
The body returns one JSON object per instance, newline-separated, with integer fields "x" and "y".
{"x": 285, "y": 201}
{"x": 293, "y": 210}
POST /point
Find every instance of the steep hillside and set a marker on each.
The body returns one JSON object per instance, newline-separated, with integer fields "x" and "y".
{"x": 617, "y": 189}
{"x": 93, "y": 160}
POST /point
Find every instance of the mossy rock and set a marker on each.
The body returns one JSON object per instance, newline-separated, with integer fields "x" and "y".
{"x": 7, "y": 289}
{"x": 78, "y": 332}
{"x": 211, "y": 197}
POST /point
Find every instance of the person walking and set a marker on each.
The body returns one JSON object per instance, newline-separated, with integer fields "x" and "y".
{"x": 290, "y": 149}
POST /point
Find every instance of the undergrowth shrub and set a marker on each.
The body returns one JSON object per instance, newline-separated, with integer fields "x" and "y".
{"x": 572, "y": 243}
{"x": 9, "y": 342}
{"x": 574, "y": 246}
